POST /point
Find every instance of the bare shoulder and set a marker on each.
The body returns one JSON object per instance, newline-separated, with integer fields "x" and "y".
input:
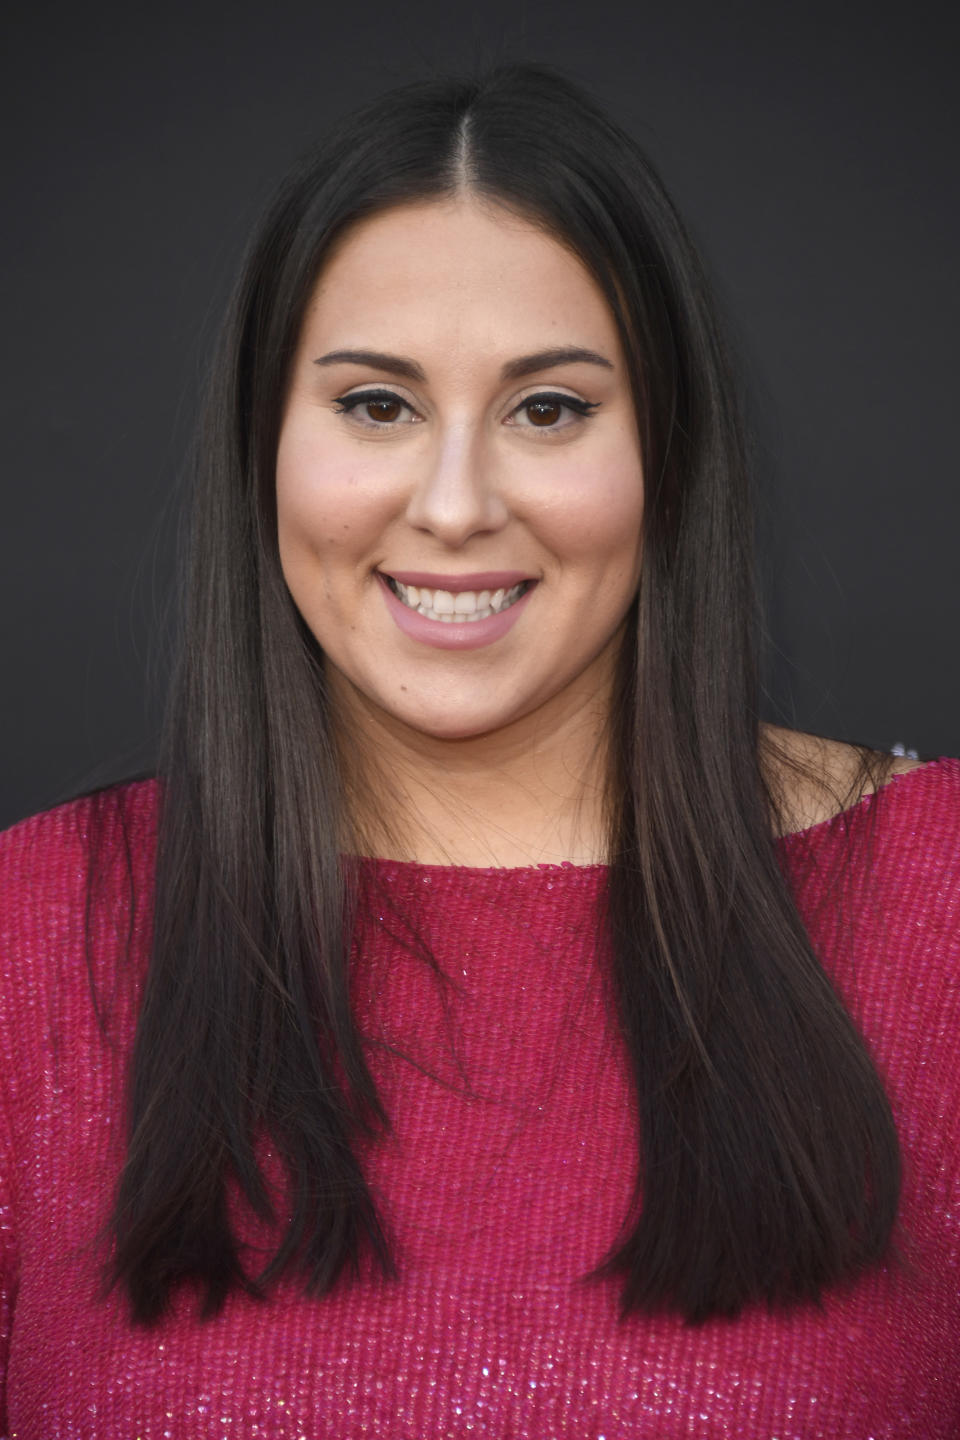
{"x": 811, "y": 779}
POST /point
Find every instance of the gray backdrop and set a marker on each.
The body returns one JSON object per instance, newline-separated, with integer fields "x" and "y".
{"x": 812, "y": 148}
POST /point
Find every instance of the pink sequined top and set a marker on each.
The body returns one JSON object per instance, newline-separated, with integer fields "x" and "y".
{"x": 506, "y": 1177}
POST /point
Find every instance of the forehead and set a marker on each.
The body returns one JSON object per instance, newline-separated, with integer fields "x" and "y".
{"x": 458, "y": 271}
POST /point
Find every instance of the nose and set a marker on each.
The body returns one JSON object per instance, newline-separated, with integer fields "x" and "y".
{"x": 456, "y": 496}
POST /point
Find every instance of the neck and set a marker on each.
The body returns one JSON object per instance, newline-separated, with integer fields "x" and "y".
{"x": 532, "y": 792}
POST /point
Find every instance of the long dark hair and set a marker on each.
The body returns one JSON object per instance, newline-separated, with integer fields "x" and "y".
{"x": 752, "y": 1187}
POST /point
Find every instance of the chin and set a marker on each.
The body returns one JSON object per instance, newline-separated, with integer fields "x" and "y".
{"x": 432, "y": 715}
{"x": 446, "y": 727}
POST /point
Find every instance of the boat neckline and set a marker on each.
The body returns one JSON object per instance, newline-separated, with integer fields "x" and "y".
{"x": 596, "y": 867}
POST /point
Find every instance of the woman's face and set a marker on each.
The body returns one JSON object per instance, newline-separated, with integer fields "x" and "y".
{"x": 459, "y": 481}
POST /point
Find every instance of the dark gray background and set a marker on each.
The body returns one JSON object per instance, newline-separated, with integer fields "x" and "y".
{"x": 812, "y": 148}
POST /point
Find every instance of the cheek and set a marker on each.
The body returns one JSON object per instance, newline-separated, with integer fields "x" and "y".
{"x": 595, "y": 513}
{"x": 325, "y": 509}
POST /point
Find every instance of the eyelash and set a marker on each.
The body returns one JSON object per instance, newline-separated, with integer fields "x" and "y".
{"x": 346, "y": 404}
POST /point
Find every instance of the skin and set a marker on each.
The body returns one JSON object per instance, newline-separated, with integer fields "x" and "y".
{"x": 493, "y": 754}
{"x": 489, "y": 756}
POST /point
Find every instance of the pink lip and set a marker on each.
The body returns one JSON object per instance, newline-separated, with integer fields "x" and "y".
{"x": 482, "y": 580}
{"x": 465, "y": 635}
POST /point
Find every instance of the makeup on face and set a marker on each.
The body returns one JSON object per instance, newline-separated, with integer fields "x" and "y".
{"x": 459, "y": 479}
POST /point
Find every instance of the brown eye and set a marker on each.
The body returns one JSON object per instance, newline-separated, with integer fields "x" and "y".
{"x": 376, "y": 409}
{"x": 383, "y": 411}
{"x": 543, "y": 412}
{"x": 549, "y": 410}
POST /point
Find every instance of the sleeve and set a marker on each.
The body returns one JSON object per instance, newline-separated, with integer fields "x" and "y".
{"x": 9, "y": 1259}
{"x": 33, "y": 863}
{"x": 47, "y": 971}
{"x": 12, "y": 902}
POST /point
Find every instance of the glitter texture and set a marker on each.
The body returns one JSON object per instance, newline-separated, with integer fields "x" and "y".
{"x": 505, "y": 1178}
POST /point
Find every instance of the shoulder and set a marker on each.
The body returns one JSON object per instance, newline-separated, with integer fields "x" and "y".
{"x": 87, "y": 861}
{"x": 888, "y": 824}
{"x": 76, "y": 901}
{"x": 48, "y": 850}
{"x": 813, "y": 779}
{"x": 877, "y": 884}
{"x": 911, "y": 833}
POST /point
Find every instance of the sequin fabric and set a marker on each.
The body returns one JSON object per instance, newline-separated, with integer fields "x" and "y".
{"x": 505, "y": 1178}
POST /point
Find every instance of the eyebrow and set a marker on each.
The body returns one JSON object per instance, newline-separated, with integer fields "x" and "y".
{"x": 512, "y": 370}
{"x": 376, "y": 360}
{"x": 547, "y": 359}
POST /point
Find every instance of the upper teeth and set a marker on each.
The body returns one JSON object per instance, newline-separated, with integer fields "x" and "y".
{"x": 456, "y": 605}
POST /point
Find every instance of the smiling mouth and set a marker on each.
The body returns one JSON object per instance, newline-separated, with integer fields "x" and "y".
{"x": 457, "y": 607}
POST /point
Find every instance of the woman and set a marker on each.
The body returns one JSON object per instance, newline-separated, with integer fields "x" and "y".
{"x": 529, "y": 1038}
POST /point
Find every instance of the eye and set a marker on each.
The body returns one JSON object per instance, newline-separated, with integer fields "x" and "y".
{"x": 378, "y": 409}
{"x": 548, "y": 410}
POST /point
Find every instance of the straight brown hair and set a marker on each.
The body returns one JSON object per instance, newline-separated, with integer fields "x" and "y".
{"x": 751, "y": 1189}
